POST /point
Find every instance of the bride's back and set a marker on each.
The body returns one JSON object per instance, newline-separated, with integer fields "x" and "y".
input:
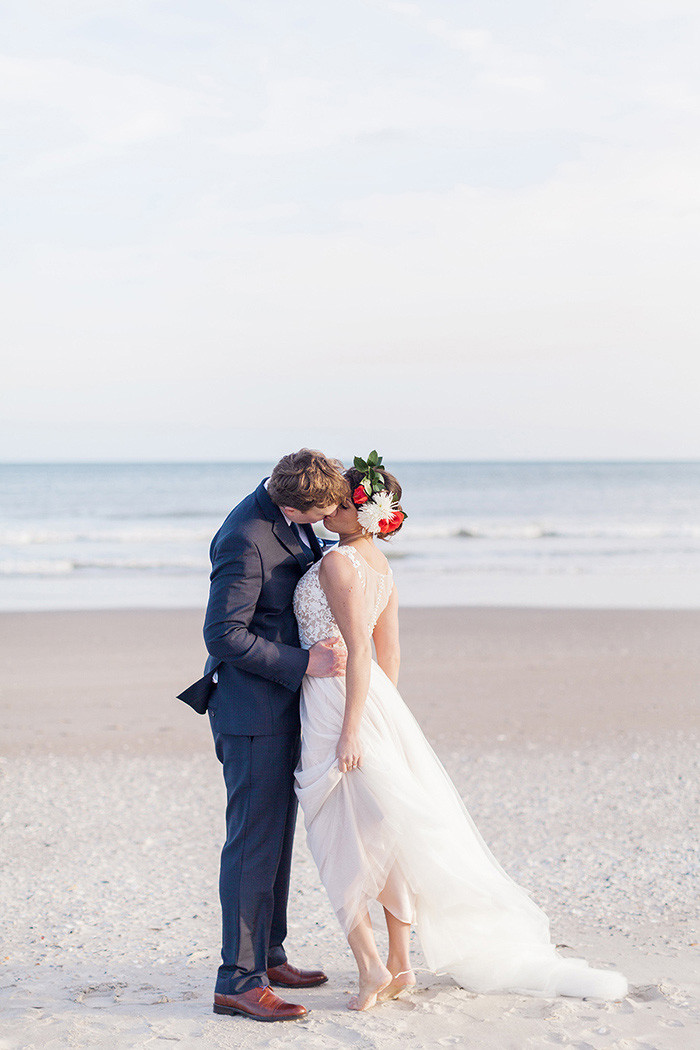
{"x": 311, "y": 607}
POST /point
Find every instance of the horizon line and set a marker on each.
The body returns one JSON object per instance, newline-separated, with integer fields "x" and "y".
{"x": 262, "y": 462}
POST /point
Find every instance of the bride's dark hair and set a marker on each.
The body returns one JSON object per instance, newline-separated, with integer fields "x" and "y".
{"x": 354, "y": 478}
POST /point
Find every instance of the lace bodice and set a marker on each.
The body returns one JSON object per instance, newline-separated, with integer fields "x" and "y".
{"x": 311, "y": 607}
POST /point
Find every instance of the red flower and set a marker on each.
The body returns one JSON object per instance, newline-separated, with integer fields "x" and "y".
{"x": 359, "y": 496}
{"x": 392, "y": 524}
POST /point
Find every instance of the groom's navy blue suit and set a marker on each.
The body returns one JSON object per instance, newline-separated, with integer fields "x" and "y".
{"x": 253, "y": 643}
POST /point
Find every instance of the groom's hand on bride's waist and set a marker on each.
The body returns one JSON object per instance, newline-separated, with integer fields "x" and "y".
{"x": 327, "y": 658}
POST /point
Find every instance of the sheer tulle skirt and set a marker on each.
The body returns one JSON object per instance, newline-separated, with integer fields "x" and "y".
{"x": 396, "y": 831}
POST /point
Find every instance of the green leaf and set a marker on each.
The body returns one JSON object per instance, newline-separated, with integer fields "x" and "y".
{"x": 373, "y": 458}
{"x": 360, "y": 464}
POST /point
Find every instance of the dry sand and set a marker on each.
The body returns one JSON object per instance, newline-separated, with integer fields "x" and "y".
{"x": 572, "y": 736}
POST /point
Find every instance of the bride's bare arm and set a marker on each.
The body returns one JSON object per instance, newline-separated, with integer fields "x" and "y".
{"x": 386, "y": 639}
{"x": 343, "y": 589}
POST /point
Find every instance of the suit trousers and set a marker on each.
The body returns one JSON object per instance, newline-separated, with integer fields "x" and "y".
{"x": 257, "y": 856}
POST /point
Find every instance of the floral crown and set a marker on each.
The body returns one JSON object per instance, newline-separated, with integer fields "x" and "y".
{"x": 377, "y": 510}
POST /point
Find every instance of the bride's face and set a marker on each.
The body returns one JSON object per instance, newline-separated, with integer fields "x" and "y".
{"x": 344, "y": 520}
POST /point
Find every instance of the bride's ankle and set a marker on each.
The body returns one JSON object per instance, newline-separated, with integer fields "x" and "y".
{"x": 371, "y": 969}
{"x": 399, "y": 967}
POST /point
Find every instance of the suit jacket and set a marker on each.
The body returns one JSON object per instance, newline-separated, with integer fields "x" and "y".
{"x": 249, "y": 629}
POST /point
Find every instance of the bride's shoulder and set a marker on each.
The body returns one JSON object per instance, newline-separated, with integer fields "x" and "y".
{"x": 341, "y": 564}
{"x": 338, "y": 556}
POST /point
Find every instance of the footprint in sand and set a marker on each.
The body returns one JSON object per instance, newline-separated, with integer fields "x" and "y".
{"x": 99, "y": 991}
{"x": 645, "y": 993}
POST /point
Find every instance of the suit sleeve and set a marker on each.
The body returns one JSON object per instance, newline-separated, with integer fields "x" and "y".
{"x": 236, "y": 583}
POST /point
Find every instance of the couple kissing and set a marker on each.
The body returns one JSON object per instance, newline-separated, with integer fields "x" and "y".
{"x": 303, "y": 714}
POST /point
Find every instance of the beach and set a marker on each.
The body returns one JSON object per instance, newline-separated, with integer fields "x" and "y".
{"x": 572, "y": 736}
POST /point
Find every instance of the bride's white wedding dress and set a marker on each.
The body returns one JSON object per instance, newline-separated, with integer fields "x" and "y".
{"x": 395, "y": 830}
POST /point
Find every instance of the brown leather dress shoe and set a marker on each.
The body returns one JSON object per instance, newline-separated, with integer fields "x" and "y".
{"x": 289, "y": 977}
{"x": 259, "y": 1003}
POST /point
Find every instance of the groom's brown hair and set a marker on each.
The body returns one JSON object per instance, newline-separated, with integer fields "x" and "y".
{"x": 306, "y": 479}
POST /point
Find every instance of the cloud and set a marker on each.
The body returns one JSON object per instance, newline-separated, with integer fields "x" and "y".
{"x": 633, "y": 12}
{"x": 65, "y": 114}
{"x": 495, "y": 64}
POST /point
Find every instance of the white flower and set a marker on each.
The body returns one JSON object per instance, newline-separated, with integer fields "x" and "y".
{"x": 369, "y": 515}
{"x": 386, "y": 502}
{"x": 379, "y": 508}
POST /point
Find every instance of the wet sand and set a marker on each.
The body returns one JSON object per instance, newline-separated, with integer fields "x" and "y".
{"x": 76, "y": 682}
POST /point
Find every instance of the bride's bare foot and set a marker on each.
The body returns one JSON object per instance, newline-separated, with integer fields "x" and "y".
{"x": 372, "y": 984}
{"x": 399, "y": 983}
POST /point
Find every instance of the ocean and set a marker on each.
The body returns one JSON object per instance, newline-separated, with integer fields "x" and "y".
{"x": 109, "y": 535}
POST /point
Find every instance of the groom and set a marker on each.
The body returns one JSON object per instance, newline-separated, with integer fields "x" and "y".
{"x": 256, "y": 667}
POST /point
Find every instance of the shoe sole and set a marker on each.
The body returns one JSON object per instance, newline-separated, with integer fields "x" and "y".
{"x": 231, "y": 1011}
{"x": 311, "y": 984}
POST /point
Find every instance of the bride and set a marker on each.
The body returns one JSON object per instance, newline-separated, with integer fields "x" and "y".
{"x": 384, "y": 821}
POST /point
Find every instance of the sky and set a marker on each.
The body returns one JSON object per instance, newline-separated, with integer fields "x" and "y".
{"x": 445, "y": 229}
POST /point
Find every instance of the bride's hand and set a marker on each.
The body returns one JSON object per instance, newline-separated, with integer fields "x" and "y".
{"x": 348, "y": 752}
